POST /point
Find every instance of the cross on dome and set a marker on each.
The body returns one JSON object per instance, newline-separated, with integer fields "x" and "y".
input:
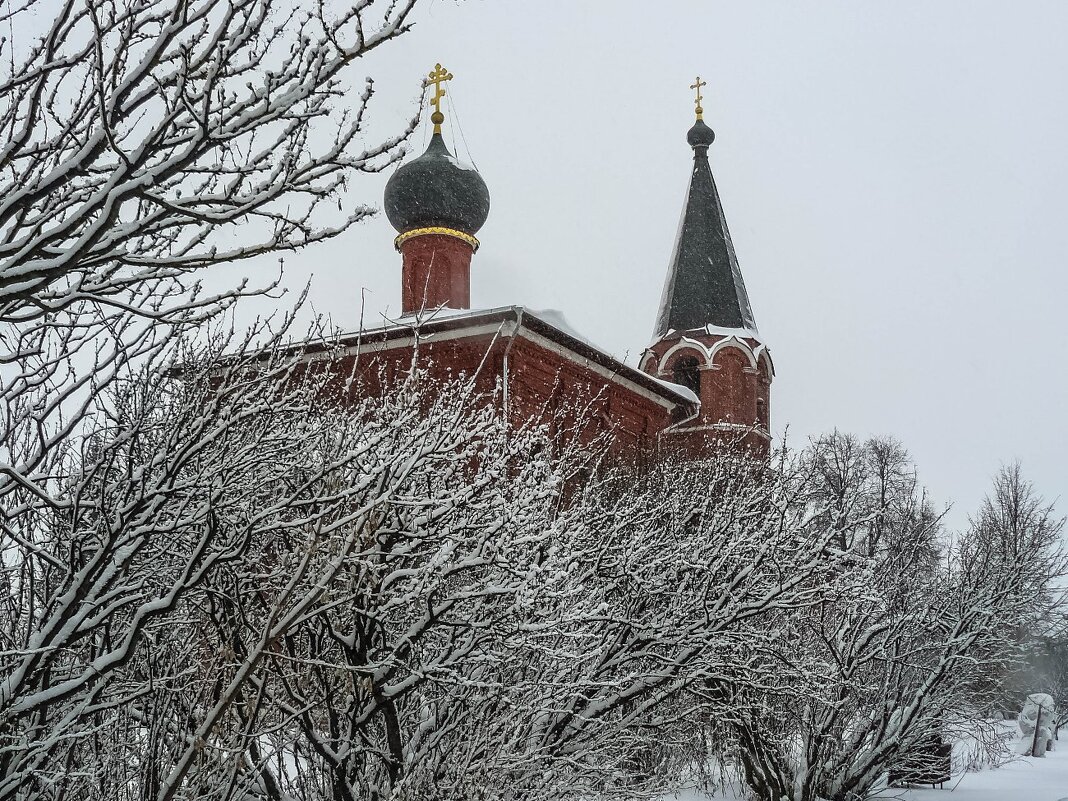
{"x": 697, "y": 85}
{"x": 438, "y": 76}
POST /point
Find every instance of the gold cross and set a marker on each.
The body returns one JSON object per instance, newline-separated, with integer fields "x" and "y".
{"x": 438, "y": 76}
{"x": 697, "y": 85}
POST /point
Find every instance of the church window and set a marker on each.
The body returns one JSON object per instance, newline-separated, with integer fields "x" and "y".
{"x": 687, "y": 373}
{"x": 762, "y": 412}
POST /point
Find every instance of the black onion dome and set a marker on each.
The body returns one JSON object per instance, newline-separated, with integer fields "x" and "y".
{"x": 437, "y": 190}
{"x": 700, "y": 135}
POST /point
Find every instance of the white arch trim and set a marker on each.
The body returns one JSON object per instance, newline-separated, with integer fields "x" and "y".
{"x": 646, "y": 361}
{"x": 684, "y": 343}
{"x": 709, "y": 354}
{"x": 762, "y": 350}
{"x": 733, "y": 342}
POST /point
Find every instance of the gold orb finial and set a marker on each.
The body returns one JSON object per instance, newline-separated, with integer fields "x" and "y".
{"x": 438, "y": 76}
{"x": 697, "y": 85}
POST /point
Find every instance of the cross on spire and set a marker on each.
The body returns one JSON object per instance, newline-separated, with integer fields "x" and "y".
{"x": 438, "y": 76}
{"x": 697, "y": 85}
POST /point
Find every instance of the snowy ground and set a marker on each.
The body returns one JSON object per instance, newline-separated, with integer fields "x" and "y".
{"x": 1023, "y": 779}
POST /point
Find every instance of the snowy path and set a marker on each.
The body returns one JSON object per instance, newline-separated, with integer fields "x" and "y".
{"x": 1023, "y": 780}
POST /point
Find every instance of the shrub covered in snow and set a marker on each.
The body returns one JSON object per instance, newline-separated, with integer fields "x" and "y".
{"x": 1037, "y": 723}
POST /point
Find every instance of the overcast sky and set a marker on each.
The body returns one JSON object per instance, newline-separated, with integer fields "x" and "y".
{"x": 893, "y": 176}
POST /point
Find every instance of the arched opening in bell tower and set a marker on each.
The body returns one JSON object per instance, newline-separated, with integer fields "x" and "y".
{"x": 687, "y": 372}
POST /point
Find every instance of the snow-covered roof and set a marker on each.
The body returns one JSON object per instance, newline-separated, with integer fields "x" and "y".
{"x": 714, "y": 330}
{"x": 686, "y": 392}
{"x": 546, "y": 322}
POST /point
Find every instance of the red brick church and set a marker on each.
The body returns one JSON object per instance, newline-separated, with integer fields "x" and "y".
{"x": 705, "y": 378}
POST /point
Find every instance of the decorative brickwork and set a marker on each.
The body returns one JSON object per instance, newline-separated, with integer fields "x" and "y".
{"x": 733, "y": 374}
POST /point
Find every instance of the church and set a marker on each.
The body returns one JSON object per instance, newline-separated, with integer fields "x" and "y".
{"x": 704, "y": 380}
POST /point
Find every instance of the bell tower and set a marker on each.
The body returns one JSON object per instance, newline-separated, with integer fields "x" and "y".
{"x": 706, "y": 337}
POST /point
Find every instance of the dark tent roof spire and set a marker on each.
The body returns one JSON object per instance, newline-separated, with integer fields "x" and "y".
{"x": 704, "y": 283}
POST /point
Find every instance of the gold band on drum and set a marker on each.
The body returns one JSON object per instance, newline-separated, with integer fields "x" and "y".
{"x": 400, "y": 240}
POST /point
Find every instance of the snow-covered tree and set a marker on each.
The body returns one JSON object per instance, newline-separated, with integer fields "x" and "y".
{"x": 162, "y": 488}
{"x": 901, "y": 650}
{"x": 659, "y": 586}
{"x": 495, "y": 627}
{"x": 1014, "y": 520}
{"x": 143, "y": 142}
{"x": 263, "y": 584}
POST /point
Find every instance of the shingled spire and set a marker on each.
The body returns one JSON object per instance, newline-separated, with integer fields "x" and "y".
{"x": 704, "y": 283}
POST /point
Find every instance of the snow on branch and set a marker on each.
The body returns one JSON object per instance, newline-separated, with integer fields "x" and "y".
{"x": 143, "y": 140}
